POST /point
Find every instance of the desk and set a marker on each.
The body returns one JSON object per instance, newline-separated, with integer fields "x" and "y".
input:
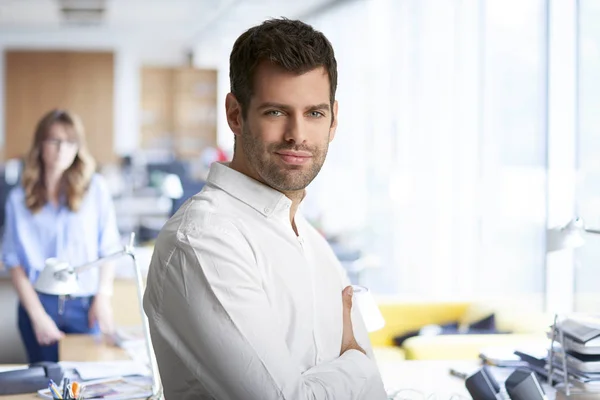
{"x": 80, "y": 348}
{"x": 88, "y": 348}
{"x": 427, "y": 377}
{"x": 432, "y": 377}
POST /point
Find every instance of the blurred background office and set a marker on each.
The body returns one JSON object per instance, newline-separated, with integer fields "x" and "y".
{"x": 467, "y": 128}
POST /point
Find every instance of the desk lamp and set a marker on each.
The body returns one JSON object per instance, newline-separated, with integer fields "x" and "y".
{"x": 368, "y": 308}
{"x": 60, "y": 278}
{"x": 569, "y": 236}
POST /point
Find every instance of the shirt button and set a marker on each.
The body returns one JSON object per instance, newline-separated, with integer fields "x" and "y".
{"x": 267, "y": 210}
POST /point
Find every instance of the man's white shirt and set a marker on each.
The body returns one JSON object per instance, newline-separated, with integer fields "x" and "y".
{"x": 242, "y": 308}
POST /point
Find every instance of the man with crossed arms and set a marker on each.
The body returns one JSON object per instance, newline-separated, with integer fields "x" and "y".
{"x": 245, "y": 299}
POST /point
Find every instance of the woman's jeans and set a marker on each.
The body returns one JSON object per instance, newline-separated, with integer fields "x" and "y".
{"x": 70, "y": 315}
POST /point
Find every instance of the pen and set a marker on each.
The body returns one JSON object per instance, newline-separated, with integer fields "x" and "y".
{"x": 81, "y": 391}
{"x": 458, "y": 374}
{"x": 54, "y": 390}
{"x": 65, "y": 385}
{"x": 74, "y": 390}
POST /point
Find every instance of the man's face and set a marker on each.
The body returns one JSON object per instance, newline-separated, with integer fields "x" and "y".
{"x": 288, "y": 126}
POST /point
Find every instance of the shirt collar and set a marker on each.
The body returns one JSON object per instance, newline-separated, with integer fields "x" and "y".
{"x": 61, "y": 206}
{"x": 259, "y": 196}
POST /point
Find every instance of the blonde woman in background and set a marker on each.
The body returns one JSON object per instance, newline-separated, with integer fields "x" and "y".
{"x": 62, "y": 210}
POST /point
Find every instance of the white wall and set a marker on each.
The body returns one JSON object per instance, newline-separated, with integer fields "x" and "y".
{"x": 131, "y": 52}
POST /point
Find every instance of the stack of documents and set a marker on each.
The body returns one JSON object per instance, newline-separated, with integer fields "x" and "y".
{"x": 579, "y": 353}
{"x": 105, "y": 369}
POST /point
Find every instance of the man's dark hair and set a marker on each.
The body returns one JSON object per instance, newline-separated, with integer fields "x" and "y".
{"x": 293, "y": 45}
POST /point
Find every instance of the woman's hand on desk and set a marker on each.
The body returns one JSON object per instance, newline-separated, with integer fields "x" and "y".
{"x": 46, "y": 331}
{"x": 101, "y": 312}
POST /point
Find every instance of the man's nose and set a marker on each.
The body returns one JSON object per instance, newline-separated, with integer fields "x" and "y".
{"x": 296, "y": 129}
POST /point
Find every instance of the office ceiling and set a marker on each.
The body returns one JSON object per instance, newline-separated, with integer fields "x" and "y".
{"x": 189, "y": 19}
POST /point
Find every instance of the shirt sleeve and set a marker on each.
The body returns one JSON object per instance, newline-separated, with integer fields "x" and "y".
{"x": 208, "y": 306}
{"x": 10, "y": 254}
{"x": 109, "y": 240}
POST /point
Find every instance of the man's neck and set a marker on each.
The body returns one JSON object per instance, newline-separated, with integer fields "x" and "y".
{"x": 295, "y": 196}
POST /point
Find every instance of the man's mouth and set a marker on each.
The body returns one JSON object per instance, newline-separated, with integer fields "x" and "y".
{"x": 294, "y": 157}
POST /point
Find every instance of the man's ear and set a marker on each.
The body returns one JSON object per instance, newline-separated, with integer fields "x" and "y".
{"x": 334, "y": 121}
{"x": 233, "y": 111}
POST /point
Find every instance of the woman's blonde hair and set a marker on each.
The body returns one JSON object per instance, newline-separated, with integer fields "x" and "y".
{"x": 75, "y": 180}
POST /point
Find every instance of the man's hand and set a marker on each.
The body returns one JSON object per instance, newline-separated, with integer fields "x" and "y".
{"x": 348, "y": 340}
{"x": 46, "y": 331}
{"x": 101, "y": 311}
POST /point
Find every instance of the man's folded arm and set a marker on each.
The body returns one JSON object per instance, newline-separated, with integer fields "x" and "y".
{"x": 358, "y": 323}
{"x": 216, "y": 317}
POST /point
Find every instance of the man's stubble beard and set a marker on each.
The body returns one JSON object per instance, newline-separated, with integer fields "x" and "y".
{"x": 274, "y": 175}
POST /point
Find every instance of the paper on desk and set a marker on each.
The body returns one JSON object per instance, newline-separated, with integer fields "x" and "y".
{"x": 105, "y": 369}
{"x": 131, "y": 339}
{"x": 137, "y": 351}
{"x": 501, "y": 357}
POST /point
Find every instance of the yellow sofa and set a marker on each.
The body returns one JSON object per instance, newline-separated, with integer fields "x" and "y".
{"x": 527, "y": 329}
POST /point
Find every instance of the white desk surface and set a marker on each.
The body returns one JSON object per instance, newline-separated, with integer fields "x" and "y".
{"x": 420, "y": 379}
{"x": 429, "y": 379}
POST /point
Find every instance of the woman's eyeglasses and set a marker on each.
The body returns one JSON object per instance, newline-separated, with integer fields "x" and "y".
{"x": 58, "y": 143}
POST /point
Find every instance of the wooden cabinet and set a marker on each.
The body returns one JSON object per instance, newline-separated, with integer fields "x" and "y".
{"x": 38, "y": 81}
{"x": 179, "y": 110}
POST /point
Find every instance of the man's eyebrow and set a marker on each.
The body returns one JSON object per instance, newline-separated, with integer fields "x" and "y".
{"x": 322, "y": 106}
{"x": 272, "y": 105}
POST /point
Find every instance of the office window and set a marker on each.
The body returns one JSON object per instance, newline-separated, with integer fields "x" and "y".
{"x": 439, "y": 159}
{"x": 587, "y": 258}
{"x": 513, "y": 156}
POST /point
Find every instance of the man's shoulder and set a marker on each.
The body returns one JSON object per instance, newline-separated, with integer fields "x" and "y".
{"x": 206, "y": 213}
